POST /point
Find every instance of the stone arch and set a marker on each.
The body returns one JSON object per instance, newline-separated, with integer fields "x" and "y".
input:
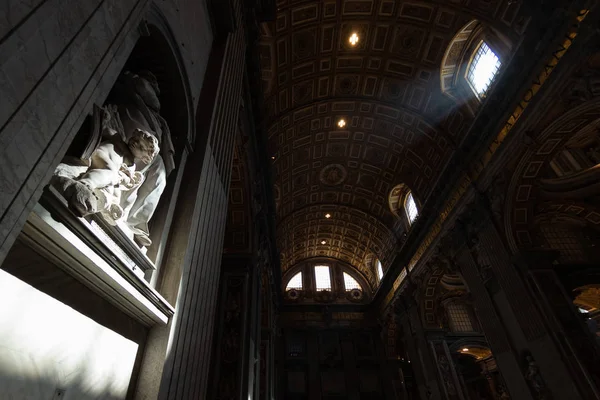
{"x": 477, "y": 347}
{"x": 525, "y": 189}
{"x": 454, "y": 56}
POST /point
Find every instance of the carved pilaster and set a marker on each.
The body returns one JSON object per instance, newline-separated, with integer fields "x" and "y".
{"x": 512, "y": 299}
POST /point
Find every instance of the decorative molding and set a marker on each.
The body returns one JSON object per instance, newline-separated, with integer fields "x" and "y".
{"x": 90, "y": 260}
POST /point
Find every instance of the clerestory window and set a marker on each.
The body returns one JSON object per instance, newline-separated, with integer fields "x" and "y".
{"x": 379, "y": 270}
{"x": 410, "y": 206}
{"x": 295, "y": 282}
{"x": 322, "y": 278}
{"x": 350, "y": 283}
{"x": 483, "y": 69}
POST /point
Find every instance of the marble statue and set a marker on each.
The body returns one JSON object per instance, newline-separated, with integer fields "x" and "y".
{"x": 126, "y": 174}
{"x": 533, "y": 376}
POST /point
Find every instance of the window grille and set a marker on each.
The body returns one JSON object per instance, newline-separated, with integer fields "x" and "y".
{"x": 411, "y": 208}
{"x": 295, "y": 282}
{"x": 350, "y": 283}
{"x": 483, "y": 69}
{"x": 459, "y": 318}
{"x": 322, "y": 278}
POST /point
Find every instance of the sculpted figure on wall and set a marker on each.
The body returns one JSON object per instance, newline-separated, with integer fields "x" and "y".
{"x": 125, "y": 175}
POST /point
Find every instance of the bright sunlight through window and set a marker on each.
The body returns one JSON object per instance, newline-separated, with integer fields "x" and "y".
{"x": 295, "y": 282}
{"x": 379, "y": 270}
{"x": 322, "y": 278}
{"x": 411, "y": 207}
{"x": 483, "y": 69}
{"x": 350, "y": 283}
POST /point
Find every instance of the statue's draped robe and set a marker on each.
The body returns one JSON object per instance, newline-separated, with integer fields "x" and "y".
{"x": 140, "y": 203}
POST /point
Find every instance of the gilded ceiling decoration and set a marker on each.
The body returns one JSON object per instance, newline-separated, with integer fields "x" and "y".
{"x": 398, "y": 126}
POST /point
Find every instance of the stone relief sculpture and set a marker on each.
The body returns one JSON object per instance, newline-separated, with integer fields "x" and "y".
{"x": 126, "y": 173}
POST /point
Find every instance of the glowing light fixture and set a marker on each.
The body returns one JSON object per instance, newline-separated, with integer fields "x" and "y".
{"x": 465, "y": 349}
{"x": 327, "y": 215}
{"x": 353, "y": 39}
{"x": 342, "y": 123}
{"x": 323, "y": 241}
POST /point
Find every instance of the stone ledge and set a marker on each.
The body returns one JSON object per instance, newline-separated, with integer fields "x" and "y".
{"x": 75, "y": 246}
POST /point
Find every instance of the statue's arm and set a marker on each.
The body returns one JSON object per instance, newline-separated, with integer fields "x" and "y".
{"x": 104, "y": 167}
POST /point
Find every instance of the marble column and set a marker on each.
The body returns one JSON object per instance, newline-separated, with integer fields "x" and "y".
{"x": 492, "y": 325}
{"x": 573, "y": 339}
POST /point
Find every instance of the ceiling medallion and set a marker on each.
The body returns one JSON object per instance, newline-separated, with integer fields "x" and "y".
{"x": 333, "y": 174}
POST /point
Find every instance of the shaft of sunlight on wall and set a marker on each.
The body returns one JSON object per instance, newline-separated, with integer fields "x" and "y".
{"x": 47, "y": 346}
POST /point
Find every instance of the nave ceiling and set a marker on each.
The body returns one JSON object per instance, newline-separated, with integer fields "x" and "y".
{"x": 400, "y": 127}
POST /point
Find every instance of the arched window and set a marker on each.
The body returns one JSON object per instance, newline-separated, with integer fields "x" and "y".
{"x": 295, "y": 282}
{"x": 322, "y": 278}
{"x": 350, "y": 283}
{"x": 410, "y": 207}
{"x": 403, "y": 202}
{"x": 327, "y": 280}
{"x": 471, "y": 62}
{"x": 379, "y": 269}
{"x": 483, "y": 69}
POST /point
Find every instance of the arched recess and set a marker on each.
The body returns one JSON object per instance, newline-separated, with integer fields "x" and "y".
{"x": 475, "y": 347}
{"x": 163, "y": 58}
{"x": 460, "y": 53}
{"x": 445, "y": 303}
{"x": 156, "y": 51}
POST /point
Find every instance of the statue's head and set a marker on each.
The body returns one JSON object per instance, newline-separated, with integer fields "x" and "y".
{"x": 143, "y": 145}
{"x": 146, "y": 86}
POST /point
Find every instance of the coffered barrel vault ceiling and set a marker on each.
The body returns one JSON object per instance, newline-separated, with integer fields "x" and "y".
{"x": 400, "y": 127}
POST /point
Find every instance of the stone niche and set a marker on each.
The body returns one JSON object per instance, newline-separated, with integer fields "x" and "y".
{"x": 106, "y": 214}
